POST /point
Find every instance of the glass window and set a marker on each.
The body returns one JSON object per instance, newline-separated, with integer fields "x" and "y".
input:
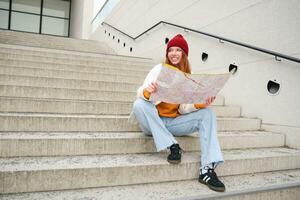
{"x": 25, "y": 22}
{"x": 55, "y": 26}
{"x": 57, "y": 8}
{"x": 4, "y": 19}
{"x": 4, "y": 4}
{"x": 26, "y": 16}
{"x": 32, "y": 6}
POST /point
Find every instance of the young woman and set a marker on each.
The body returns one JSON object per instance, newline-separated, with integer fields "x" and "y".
{"x": 164, "y": 120}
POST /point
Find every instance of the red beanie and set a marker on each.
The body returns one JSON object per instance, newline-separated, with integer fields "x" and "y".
{"x": 179, "y": 41}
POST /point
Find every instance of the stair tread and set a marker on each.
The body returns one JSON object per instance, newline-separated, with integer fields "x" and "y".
{"x": 61, "y": 88}
{"x": 69, "y": 52}
{"x": 22, "y": 144}
{"x": 68, "y": 79}
{"x": 127, "y": 160}
{"x": 53, "y": 42}
{"x": 113, "y": 135}
{"x": 71, "y": 78}
{"x": 84, "y": 68}
{"x": 188, "y": 189}
{"x": 63, "y": 100}
{"x": 17, "y": 63}
{"x": 2, "y": 114}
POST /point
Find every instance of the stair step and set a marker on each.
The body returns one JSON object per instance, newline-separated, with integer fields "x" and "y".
{"x": 134, "y": 71}
{"x": 15, "y": 50}
{"x": 76, "y": 65}
{"x": 65, "y": 93}
{"x": 15, "y": 144}
{"x": 29, "y": 174}
{"x": 267, "y": 185}
{"x": 73, "y": 94}
{"x": 66, "y": 83}
{"x": 56, "y": 106}
{"x": 46, "y": 73}
{"x": 59, "y": 122}
{"x": 102, "y": 68}
{"x": 52, "y": 42}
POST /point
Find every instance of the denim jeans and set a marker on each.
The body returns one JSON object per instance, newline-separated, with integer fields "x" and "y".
{"x": 163, "y": 129}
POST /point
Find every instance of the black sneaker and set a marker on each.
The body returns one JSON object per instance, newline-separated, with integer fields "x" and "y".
{"x": 175, "y": 155}
{"x": 212, "y": 181}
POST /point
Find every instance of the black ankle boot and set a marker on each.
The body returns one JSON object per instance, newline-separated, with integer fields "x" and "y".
{"x": 175, "y": 155}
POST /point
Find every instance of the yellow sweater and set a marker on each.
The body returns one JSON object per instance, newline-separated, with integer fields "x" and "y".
{"x": 168, "y": 109}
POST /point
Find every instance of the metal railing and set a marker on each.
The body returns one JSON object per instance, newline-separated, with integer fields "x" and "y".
{"x": 221, "y": 39}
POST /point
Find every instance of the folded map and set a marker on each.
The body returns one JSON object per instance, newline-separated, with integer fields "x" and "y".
{"x": 175, "y": 86}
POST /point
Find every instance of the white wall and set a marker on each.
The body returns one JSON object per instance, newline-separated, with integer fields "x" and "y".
{"x": 270, "y": 24}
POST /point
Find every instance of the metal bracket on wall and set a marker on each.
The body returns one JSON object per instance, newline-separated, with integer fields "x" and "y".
{"x": 277, "y": 59}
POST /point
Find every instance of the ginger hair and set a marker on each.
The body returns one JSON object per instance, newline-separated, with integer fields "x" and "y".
{"x": 183, "y": 65}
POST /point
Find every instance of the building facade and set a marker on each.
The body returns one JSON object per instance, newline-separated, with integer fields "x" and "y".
{"x": 51, "y": 17}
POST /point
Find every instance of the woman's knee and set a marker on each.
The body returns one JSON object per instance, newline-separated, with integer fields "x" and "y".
{"x": 140, "y": 104}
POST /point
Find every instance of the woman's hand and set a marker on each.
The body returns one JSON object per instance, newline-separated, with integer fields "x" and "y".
{"x": 152, "y": 87}
{"x": 209, "y": 100}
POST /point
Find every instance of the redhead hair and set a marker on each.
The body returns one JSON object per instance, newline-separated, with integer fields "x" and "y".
{"x": 184, "y": 64}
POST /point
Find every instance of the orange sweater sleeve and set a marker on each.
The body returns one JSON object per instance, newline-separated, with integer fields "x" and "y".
{"x": 199, "y": 105}
{"x": 146, "y": 94}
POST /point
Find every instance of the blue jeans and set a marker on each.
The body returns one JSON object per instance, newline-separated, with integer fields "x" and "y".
{"x": 163, "y": 129}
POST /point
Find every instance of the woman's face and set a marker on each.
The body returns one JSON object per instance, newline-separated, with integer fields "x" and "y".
{"x": 175, "y": 55}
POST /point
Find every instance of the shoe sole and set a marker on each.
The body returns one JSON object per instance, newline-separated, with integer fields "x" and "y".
{"x": 174, "y": 161}
{"x": 217, "y": 189}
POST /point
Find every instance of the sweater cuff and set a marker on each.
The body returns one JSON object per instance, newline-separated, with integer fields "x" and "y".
{"x": 146, "y": 94}
{"x": 199, "y": 105}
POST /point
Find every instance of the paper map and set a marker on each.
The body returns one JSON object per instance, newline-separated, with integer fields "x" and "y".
{"x": 174, "y": 86}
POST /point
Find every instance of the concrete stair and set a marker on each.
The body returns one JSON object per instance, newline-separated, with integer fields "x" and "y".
{"x": 66, "y": 83}
{"x": 17, "y": 144}
{"x": 52, "y": 42}
{"x": 277, "y": 185}
{"x": 29, "y": 174}
{"x": 64, "y": 128}
{"x": 60, "y": 122}
{"x": 45, "y": 73}
{"x": 65, "y": 53}
{"x": 63, "y": 106}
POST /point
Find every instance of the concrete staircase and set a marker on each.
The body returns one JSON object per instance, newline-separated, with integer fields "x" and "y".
{"x": 64, "y": 132}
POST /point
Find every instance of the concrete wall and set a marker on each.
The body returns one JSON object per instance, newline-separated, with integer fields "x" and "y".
{"x": 270, "y": 24}
{"x": 81, "y": 17}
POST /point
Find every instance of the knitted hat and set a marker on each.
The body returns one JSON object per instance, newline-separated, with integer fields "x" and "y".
{"x": 179, "y": 41}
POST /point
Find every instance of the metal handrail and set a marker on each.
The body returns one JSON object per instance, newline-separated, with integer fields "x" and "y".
{"x": 276, "y": 54}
